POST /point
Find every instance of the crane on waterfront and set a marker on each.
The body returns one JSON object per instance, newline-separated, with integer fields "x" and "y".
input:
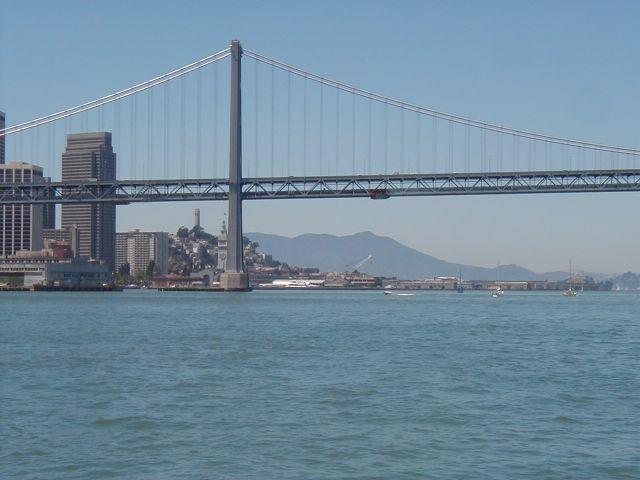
{"x": 353, "y": 267}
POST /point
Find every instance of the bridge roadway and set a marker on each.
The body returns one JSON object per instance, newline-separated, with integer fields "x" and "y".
{"x": 373, "y": 186}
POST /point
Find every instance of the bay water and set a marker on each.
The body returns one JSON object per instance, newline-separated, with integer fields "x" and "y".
{"x": 319, "y": 385}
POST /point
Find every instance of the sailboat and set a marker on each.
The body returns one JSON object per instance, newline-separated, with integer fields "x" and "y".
{"x": 460, "y": 288}
{"x": 497, "y": 292}
{"x": 570, "y": 292}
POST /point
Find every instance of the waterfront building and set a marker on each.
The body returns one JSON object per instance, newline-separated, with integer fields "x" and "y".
{"x": 222, "y": 247}
{"x": 71, "y": 235}
{"x": 27, "y": 272}
{"x": 435, "y": 283}
{"x": 90, "y": 157}
{"x": 171, "y": 280}
{"x": 20, "y": 225}
{"x": 2, "y": 138}
{"x": 139, "y": 248}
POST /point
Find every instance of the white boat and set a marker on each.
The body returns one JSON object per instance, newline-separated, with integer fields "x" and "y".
{"x": 389, "y": 292}
{"x": 497, "y": 292}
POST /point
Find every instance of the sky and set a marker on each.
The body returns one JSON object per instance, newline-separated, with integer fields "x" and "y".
{"x": 566, "y": 68}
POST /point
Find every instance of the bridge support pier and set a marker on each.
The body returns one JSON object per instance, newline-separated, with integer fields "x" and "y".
{"x": 234, "y": 278}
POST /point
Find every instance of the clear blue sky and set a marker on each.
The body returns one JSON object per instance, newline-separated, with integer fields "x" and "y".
{"x": 566, "y": 68}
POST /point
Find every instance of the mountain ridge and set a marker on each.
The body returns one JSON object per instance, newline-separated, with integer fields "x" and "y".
{"x": 390, "y": 257}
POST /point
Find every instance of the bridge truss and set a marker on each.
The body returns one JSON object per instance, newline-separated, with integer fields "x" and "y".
{"x": 372, "y": 186}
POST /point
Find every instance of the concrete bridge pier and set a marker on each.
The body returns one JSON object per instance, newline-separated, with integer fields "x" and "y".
{"x": 235, "y": 279}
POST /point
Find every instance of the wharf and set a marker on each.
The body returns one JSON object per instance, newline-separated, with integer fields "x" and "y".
{"x": 46, "y": 288}
{"x": 197, "y": 289}
{"x": 60, "y": 288}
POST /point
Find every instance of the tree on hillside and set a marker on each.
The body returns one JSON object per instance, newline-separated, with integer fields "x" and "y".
{"x": 183, "y": 232}
{"x": 197, "y": 231}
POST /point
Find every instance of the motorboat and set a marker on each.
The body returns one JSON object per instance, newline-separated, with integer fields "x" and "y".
{"x": 398, "y": 294}
{"x": 497, "y": 292}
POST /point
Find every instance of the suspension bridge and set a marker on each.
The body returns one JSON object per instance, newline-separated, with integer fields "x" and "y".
{"x": 308, "y": 136}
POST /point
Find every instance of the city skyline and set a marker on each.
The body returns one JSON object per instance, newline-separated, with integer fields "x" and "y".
{"x": 538, "y": 232}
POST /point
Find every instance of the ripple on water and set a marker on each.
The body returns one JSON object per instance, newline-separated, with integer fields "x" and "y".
{"x": 134, "y": 422}
{"x": 566, "y": 420}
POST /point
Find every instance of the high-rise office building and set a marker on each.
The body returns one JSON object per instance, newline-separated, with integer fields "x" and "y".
{"x": 139, "y": 248}
{"x": 90, "y": 156}
{"x": 48, "y": 212}
{"x": 20, "y": 225}
{"x": 2, "y": 138}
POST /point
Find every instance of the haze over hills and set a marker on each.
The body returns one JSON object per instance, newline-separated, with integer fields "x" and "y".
{"x": 390, "y": 258}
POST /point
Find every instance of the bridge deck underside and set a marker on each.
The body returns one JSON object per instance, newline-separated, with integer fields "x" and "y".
{"x": 374, "y": 186}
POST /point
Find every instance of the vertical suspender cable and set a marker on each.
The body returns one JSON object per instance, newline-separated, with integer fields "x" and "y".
{"x": 483, "y": 153}
{"x": 402, "y": 170}
{"x": 165, "y": 140}
{"x": 118, "y": 138}
{"x": 467, "y": 148}
{"x": 533, "y": 155}
{"x": 353, "y": 133}
{"x": 37, "y": 157}
{"x": 273, "y": 122}
{"x": 183, "y": 127}
{"x": 304, "y": 130}
{"x": 133, "y": 137}
{"x": 216, "y": 117}
{"x": 418, "y": 143}
{"x": 321, "y": 129}
{"x": 256, "y": 122}
{"x": 434, "y": 146}
{"x": 369, "y": 149}
{"x": 500, "y": 151}
{"x": 198, "y": 122}
{"x": 337, "y": 130}
{"x": 289, "y": 124}
{"x": 50, "y": 153}
{"x": 149, "y": 173}
{"x": 386, "y": 138}
{"x": 32, "y": 147}
{"x": 451, "y": 146}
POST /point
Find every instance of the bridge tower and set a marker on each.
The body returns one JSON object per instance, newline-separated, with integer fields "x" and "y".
{"x": 234, "y": 277}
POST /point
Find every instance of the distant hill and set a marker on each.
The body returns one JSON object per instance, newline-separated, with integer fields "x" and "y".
{"x": 626, "y": 281}
{"x": 390, "y": 258}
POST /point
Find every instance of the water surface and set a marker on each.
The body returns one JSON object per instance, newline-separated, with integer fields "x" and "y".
{"x": 319, "y": 385}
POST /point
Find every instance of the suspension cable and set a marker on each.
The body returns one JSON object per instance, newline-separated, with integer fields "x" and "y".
{"x": 435, "y": 113}
{"x": 118, "y": 95}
